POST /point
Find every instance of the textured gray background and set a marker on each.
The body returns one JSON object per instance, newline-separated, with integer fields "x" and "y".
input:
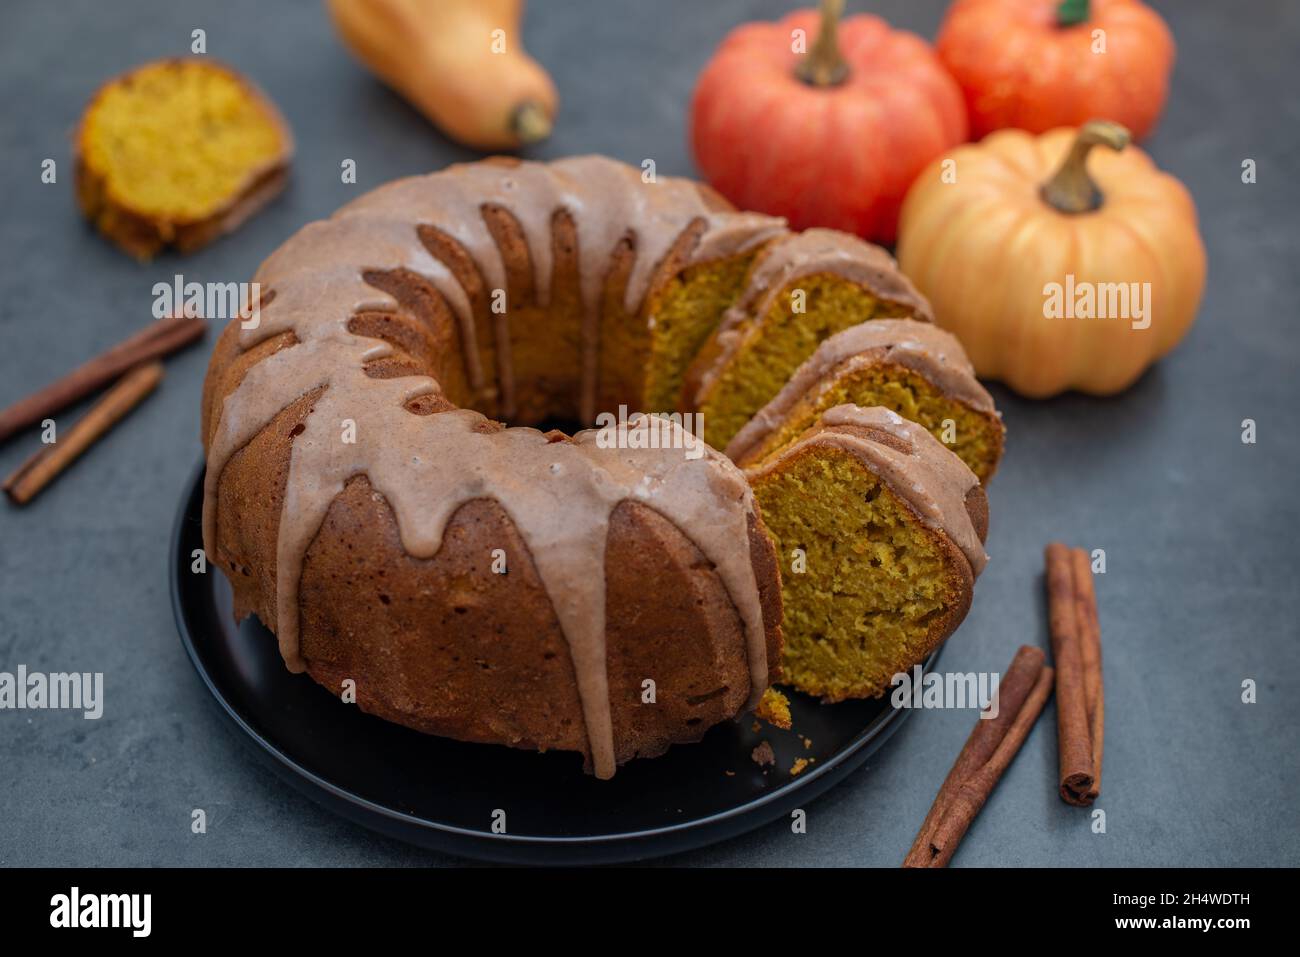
{"x": 1200, "y": 531}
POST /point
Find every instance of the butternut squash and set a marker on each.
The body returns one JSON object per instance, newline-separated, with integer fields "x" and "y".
{"x": 459, "y": 62}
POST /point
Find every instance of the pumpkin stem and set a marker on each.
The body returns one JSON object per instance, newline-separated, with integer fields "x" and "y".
{"x": 1071, "y": 13}
{"x": 530, "y": 122}
{"x": 1071, "y": 189}
{"x": 823, "y": 65}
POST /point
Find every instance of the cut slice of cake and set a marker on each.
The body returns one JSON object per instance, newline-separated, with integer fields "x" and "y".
{"x": 914, "y": 368}
{"x": 177, "y": 152}
{"x": 801, "y": 290}
{"x": 879, "y": 529}
{"x": 682, "y": 314}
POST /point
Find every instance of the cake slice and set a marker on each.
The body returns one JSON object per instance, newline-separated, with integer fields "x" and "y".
{"x": 801, "y": 289}
{"x": 914, "y": 368}
{"x": 682, "y": 313}
{"x": 177, "y": 152}
{"x": 879, "y": 529}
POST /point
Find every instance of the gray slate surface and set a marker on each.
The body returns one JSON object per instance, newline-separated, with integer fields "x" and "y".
{"x": 1200, "y": 530}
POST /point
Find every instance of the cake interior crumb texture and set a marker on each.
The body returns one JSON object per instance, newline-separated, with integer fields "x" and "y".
{"x": 685, "y": 313}
{"x": 875, "y": 582}
{"x": 800, "y": 317}
{"x": 178, "y": 139}
{"x": 976, "y": 438}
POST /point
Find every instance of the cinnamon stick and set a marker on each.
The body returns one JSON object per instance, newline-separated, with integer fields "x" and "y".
{"x": 46, "y": 465}
{"x": 967, "y": 800}
{"x": 1016, "y": 688}
{"x": 152, "y": 342}
{"x": 1085, "y": 598}
{"x": 1073, "y": 732}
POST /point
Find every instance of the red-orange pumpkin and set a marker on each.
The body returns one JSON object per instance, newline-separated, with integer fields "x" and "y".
{"x": 826, "y": 133}
{"x": 1040, "y": 64}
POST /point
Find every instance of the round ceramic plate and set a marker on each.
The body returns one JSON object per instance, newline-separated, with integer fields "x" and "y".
{"x": 446, "y": 794}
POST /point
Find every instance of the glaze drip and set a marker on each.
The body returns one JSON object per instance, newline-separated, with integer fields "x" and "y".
{"x": 560, "y": 495}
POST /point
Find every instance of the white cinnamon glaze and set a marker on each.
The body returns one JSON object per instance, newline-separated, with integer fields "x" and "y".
{"x": 922, "y": 347}
{"x": 923, "y": 472}
{"x": 559, "y": 495}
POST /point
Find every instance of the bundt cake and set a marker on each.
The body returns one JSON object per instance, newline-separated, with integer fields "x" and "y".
{"x": 612, "y": 592}
{"x": 880, "y": 529}
{"x": 177, "y": 152}
{"x": 802, "y": 289}
{"x": 914, "y": 368}
{"x": 482, "y": 582}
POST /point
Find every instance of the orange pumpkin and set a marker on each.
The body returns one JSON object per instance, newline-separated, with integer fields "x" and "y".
{"x": 828, "y": 137}
{"x": 1073, "y": 279}
{"x": 1040, "y": 64}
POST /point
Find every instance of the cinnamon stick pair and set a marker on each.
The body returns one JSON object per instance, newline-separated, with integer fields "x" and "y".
{"x": 152, "y": 342}
{"x": 46, "y": 464}
{"x": 135, "y": 356}
{"x": 1021, "y": 695}
{"x": 1076, "y": 649}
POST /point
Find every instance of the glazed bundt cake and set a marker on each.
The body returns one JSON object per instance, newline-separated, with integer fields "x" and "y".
{"x": 609, "y": 593}
{"x": 914, "y": 368}
{"x": 880, "y": 529}
{"x": 802, "y": 289}
{"x": 482, "y": 582}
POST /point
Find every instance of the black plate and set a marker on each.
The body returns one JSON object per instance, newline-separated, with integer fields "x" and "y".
{"x": 443, "y": 794}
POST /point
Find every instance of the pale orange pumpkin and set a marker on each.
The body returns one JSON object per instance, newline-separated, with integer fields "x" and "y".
{"x": 1023, "y": 242}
